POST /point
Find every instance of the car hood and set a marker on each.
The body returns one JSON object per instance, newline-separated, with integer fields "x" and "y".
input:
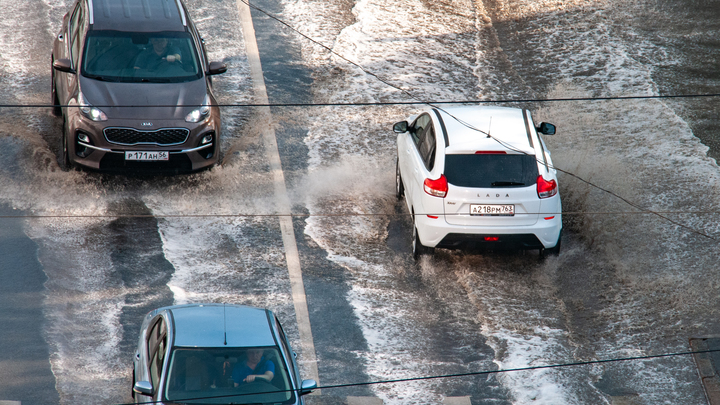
{"x": 155, "y": 101}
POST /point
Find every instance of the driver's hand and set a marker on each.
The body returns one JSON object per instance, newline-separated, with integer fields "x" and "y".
{"x": 249, "y": 378}
{"x": 171, "y": 58}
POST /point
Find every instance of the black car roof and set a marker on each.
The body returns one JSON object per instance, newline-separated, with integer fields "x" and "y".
{"x": 137, "y": 15}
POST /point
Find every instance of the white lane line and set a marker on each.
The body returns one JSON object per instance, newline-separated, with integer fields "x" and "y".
{"x": 364, "y": 401}
{"x": 456, "y": 400}
{"x": 281, "y": 195}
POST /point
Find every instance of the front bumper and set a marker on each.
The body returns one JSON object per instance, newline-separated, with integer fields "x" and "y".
{"x": 89, "y": 147}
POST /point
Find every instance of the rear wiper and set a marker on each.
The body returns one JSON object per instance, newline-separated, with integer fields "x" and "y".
{"x": 506, "y": 183}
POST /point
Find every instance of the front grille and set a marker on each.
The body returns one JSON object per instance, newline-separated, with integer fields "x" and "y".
{"x": 131, "y": 136}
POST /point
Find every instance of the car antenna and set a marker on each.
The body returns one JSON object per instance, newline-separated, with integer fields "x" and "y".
{"x": 489, "y": 125}
{"x": 224, "y": 324}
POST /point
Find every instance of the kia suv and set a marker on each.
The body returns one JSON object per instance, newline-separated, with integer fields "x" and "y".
{"x": 133, "y": 84}
{"x": 478, "y": 177}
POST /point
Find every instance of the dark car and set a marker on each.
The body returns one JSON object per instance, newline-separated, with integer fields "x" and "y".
{"x": 133, "y": 84}
{"x": 216, "y": 354}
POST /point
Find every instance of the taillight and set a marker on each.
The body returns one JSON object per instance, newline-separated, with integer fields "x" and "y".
{"x": 546, "y": 189}
{"x": 437, "y": 188}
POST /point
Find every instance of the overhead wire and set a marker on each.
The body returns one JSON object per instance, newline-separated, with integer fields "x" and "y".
{"x": 344, "y": 214}
{"x": 471, "y": 373}
{"x": 391, "y": 103}
{"x": 413, "y": 96}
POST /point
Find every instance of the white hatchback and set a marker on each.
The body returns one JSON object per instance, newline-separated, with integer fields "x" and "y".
{"x": 480, "y": 177}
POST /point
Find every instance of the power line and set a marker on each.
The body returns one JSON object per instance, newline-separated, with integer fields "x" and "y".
{"x": 391, "y": 103}
{"x": 413, "y": 96}
{"x": 370, "y": 214}
{"x": 472, "y": 374}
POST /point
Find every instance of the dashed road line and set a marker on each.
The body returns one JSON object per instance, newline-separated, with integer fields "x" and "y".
{"x": 281, "y": 196}
{"x": 456, "y": 400}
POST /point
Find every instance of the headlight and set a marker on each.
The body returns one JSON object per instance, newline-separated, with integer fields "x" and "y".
{"x": 199, "y": 114}
{"x": 89, "y": 111}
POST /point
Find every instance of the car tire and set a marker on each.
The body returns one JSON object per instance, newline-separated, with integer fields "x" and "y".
{"x": 399, "y": 187}
{"x": 418, "y": 249}
{"x": 56, "y": 109}
{"x": 555, "y": 251}
{"x": 65, "y": 163}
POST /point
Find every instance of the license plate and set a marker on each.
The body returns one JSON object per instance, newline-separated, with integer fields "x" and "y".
{"x": 492, "y": 210}
{"x": 147, "y": 156}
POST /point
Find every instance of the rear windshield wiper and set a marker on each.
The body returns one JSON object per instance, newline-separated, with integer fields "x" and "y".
{"x": 506, "y": 183}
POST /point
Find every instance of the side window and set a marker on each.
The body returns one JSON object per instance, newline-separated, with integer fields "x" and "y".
{"x": 75, "y": 32}
{"x": 417, "y": 131}
{"x": 427, "y": 147}
{"x": 157, "y": 345}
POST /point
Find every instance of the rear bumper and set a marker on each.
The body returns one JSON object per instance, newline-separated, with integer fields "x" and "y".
{"x": 436, "y": 232}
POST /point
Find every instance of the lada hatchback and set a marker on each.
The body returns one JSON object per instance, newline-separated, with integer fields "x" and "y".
{"x": 479, "y": 177}
{"x": 215, "y": 354}
{"x": 133, "y": 84}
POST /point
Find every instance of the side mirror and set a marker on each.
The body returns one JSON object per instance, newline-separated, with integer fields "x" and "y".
{"x": 307, "y": 386}
{"x": 216, "y": 68}
{"x": 400, "y": 127}
{"x": 63, "y": 65}
{"x": 546, "y": 128}
{"x": 144, "y": 388}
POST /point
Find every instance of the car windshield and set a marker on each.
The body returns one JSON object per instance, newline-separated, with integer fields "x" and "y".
{"x": 163, "y": 57}
{"x": 491, "y": 170}
{"x": 228, "y": 376}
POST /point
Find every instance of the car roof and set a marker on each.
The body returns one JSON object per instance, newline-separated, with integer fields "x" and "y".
{"x": 137, "y": 15}
{"x": 503, "y": 123}
{"x": 209, "y": 325}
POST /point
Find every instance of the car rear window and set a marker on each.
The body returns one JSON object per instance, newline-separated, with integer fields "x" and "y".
{"x": 491, "y": 170}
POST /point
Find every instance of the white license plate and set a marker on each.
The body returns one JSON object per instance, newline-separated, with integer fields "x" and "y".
{"x": 147, "y": 156}
{"x": 494, "y": 210}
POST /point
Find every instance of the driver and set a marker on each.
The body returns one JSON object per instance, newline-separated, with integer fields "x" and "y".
{"x": 255, "y": 368}
{"x": 158, "y": 53}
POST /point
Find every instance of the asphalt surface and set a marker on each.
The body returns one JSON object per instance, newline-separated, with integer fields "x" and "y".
{"x": 79, "y": 271}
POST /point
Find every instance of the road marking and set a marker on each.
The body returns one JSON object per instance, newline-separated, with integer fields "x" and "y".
{"x": 10, "y": 403}
{"x": 281, "y": 196}
{"x": 364, "y": 401}
{"x": 456, "y": 400}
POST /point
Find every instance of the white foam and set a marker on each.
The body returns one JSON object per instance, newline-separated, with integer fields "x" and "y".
{"x": 624, "y": 146}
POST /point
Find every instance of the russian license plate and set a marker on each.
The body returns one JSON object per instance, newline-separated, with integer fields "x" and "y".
{"x": 147, "y": 156}
{"x": 494, "y": 210}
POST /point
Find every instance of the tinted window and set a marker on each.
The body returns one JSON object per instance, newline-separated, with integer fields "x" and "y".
{"x": 212, "y": 372}
{"x": 490, "y": 170}
{"x": 418, "y": 128}
{"x": 427, "y": 147}
{"x": 147, "y": 57}
{"x": 75, "y": 23}
{"x": 156, "y": 343}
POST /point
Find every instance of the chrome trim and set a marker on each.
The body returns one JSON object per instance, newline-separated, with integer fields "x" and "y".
{"x": 91, "y": 12}
{"x": 181, "y": 9}
{"x": 106, "y": 150}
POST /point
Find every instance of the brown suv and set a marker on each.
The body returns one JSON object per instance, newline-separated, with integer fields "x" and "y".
{"x": 132, "y": 82}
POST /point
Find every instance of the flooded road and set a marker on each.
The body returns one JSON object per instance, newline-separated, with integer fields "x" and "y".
{"x": 628, "y": 282}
